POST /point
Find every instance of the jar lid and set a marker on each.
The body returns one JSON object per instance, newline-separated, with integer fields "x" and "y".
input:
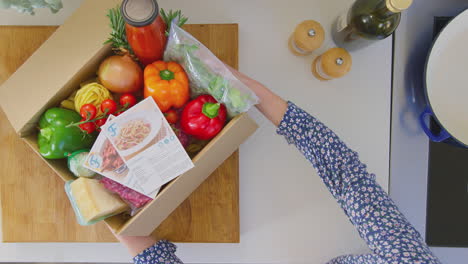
{"x": 139, "y": 13}
{"x": 309, "y": 35}
{"x": 398, "y": 5}
{"x": 336, "y": 62}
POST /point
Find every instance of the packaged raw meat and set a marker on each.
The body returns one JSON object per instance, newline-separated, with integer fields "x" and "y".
{"x": 132, "y": 197}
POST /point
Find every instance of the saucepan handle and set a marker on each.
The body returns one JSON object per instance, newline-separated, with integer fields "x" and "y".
{"x": 443, "y": 135}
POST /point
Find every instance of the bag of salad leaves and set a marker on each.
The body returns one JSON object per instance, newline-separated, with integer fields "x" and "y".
{"x": 208, "y": 74}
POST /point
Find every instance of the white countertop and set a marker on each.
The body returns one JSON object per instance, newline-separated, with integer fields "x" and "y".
{"x": 287, "y": 215}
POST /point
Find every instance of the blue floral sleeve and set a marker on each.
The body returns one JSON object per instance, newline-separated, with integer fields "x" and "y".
{"x": 162, "y": 252}
{"x": 386, "y": 231}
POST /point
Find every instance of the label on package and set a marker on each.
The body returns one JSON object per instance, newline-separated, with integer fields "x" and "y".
{"x": 342, "y": 22}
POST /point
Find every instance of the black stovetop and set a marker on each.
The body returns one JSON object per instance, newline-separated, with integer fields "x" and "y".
{"x": 447, "y": 196}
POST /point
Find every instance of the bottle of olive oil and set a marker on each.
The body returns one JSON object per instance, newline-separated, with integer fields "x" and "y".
{"x": 367, "y": 21}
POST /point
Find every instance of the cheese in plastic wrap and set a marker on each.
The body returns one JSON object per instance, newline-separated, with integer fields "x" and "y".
{"x": 91, "y": 202}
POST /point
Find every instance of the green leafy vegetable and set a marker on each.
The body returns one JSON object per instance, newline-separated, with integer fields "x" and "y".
{"x": 217, "y": 87}
{"x": 28, "y": 6}
{"x": 170, "y": 16}
{"x": 205, "y": 80}
{"x": 207, "y": 74}
{"x": 118, "y": 37}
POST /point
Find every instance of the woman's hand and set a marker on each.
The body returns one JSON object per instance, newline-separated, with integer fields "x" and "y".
{"x": 135, "y": 244}
{"x": 271, "y": 105}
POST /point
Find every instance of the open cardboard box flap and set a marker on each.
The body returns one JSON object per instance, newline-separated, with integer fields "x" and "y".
{"x": 53, "y": 70}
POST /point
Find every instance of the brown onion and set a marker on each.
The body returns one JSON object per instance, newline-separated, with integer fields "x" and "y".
{"x": 120, "y": 74}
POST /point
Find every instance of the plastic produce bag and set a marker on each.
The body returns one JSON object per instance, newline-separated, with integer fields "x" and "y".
{"x": 207, "y": 74}
{"x": 75, "y": 164}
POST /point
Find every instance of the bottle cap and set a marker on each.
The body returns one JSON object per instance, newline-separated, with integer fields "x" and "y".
{"x": 307, "y": 37}
{"x": 334, "y": 63}
{"x": 139, "y": 13}
{"x": 398, "y": 5}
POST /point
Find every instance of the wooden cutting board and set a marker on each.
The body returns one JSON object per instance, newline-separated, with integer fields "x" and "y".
{"x": 34, "y": 205}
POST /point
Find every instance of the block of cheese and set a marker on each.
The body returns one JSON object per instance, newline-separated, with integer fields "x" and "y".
{"x": 94, "y": 201}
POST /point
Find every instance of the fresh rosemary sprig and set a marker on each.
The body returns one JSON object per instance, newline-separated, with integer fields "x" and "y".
{"x": 118, "y": 37}
{"x": 171, "y": 15}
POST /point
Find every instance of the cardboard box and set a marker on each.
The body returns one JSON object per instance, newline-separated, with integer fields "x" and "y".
{"x": 72, "y": 55}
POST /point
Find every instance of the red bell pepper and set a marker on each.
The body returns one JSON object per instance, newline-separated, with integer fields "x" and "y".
{"x": 203, "y": 117}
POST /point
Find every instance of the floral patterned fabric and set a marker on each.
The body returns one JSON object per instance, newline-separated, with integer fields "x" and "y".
{"x": 392, "y": 239}
{"x": 162, "y": 252}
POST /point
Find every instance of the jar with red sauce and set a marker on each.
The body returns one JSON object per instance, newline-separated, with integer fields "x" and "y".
{"x": 145, "y": 29}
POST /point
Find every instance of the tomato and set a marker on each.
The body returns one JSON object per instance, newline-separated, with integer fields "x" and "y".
{"x": 89, "y": 127}
{"x": 88, "y": 111}
{"x": 109, "y": 106}
{"x": 171, "y": 116}
{"x": 127, "y": 100}
{"x": 100, "y": 122}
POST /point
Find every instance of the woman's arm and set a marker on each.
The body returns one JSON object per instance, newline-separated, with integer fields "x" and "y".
{"x": 136, "y": 244}
{"x": 379, "y": 222}
{"x": 149, "y": 250}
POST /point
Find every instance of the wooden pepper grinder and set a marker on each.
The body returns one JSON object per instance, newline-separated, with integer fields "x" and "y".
{"x": 334, "y": 63}
{"x": 307, "y": 37}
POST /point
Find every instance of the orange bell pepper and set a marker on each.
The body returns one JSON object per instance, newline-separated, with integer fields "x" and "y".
{"x": 167, "y": 83}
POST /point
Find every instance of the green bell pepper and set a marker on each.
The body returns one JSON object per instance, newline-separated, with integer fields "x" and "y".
{"x": 56, "y": 139}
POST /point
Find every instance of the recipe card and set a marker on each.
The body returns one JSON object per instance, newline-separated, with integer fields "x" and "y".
{"x": 148, "y": 145}
{"x": 104, "y": 159}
